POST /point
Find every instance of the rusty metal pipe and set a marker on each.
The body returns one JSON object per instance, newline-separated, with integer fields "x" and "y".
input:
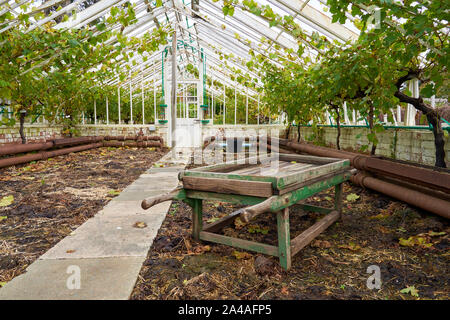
{"x": 45, "y": 155}
{"x": 416, "y": 198}
{"x": 74, "y": 141}
{"x": 319, "y": 151}
{"x": 133, "y": 144}
{"x": 438, "y": 180}
{"x": 22, "y": 148}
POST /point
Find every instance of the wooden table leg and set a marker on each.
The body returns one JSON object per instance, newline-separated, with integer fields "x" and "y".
{"x": 284, "y": 238}
{"x": 338, "y": 198}
{"x": 197, "y": 218}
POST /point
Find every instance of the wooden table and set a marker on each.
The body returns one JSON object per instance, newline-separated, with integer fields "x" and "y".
{"x": 265, "y": 185}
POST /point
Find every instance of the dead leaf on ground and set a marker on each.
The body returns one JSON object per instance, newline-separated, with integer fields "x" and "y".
{"x": 140, "y": 225}
{"x": 321, "y": 244}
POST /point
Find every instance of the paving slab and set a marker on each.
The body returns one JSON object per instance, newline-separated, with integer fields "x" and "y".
{"x": 130, "y": 208}
{"x": 107, "y": 236}
{"x": 133, "y": 195}
{"x": 101, "y": 278}
{"x": 159, "y": 184}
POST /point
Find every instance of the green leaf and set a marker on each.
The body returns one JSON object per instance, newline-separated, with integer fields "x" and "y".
{"x": 6, "y": 201}
{"x": 352, "y": 197}
{"x": 411, "y": 290}
{"x": 3, "y": 218}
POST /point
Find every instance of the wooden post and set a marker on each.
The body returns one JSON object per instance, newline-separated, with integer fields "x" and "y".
{"x": 338, "y": 198}
{"x": 197, "y": 221}
{"x": 284, "y": 238}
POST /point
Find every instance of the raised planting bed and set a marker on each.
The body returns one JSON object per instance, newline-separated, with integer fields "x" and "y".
{"x": 42, "y": 202}
{"x": 333, "y": 266}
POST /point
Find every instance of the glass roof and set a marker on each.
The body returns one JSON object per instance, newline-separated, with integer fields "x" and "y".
{"x": 225, "y": 40}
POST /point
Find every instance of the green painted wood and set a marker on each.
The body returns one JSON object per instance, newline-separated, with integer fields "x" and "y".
{"x": 239, "y": 243}
{"x": 307, "y": 159}
{"x": 231, "y": 198}
{"x": 225, "y": 165}
{"x": 309, "y": 234}
{"x": 197, "y": 218}
{"x": 284, "y": 238}
{"x": 295, "y": 196}
{"x": 308, "y": 207}
{"x": 222, "y": 222}
{"x": 311, "y": 173}
{"x": 220, "y": 175}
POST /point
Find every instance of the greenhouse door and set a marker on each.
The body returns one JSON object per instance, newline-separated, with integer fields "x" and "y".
{"x": 188, "y": 126}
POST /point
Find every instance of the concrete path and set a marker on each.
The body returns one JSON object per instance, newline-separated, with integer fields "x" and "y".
{"x": 102, "y": 258}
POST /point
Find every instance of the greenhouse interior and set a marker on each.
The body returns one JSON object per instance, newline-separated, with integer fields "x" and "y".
{"x": 224, "y": 150}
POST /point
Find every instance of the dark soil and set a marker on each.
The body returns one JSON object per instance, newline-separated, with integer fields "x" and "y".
{"x": 334, "y": 266}
{"x": 53, "y": 197}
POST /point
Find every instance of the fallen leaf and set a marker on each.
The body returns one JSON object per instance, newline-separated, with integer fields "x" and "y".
{"x": 411, "y": 290}
{"x": 238, "y": 223}
{"x": 418, "y": 240}
{"x": 284, "y": 291}
{"x": 352, "y": 197}
{"x": 6, "y": 201}
{"x": 321, "y": 244}
{"x": 383, "y": 229}
{"x": 242, "y": 255}
{"x": 380, "y": 216}
{"x": 212, "y": 220}
{"x": 70, "y": 251}
{"x": 140, "y": 225}
{"x": 113, "y": 192}
{"x": 436, "y": 234}
{"x": 351, "y": 246}
{"x": 2, "y": 283}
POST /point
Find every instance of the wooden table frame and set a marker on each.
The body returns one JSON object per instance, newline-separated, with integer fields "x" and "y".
{"x": 286, "y": 248}
{"x": 277, "y": 202}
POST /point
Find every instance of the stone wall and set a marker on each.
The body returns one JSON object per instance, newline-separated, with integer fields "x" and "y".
{"x": 121, "y": 130}
{"x": 402, "y": 144}
{"x": 41, "y": 133}
{"x": 35, "y": 133}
